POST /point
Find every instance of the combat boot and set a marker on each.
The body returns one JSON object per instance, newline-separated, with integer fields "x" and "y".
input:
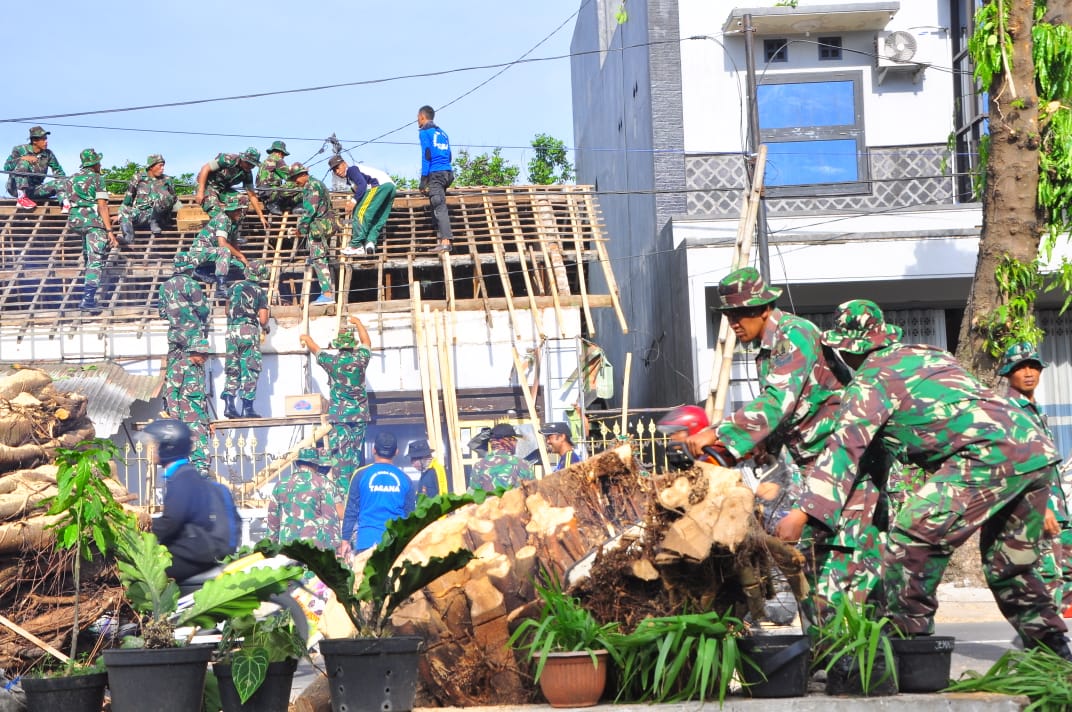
{"x": 1055, "y": 641}
{"x": 247, "y": 409}
{"x": 229, "y": 410}
{"x": 221, "y": 288}
{"x": 154, "y": 226}
{"x": 89, "y": 301}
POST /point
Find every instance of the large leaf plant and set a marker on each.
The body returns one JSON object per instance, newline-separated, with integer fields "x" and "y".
{"x": 386, "y": 581}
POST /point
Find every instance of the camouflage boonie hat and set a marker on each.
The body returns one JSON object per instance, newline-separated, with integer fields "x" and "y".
{"x": 859, "y": 327}
{"x": 257, "y": 270}
{"x": 153, "y": 159}
{"x": 745, "y": 287}
{"x": 1016, "y": 355}
{"x": 297, "y": 169}
{"x": 199, "y": 346}
{"x": 238, "y": 201}
{"x": 38, "y": 132}
{"x": 89, "y": 157}
{"x": 345, "y": 340}
{"x": 315, "y": 457}
{"x": 250, "y": 155}
{"x": 278, "y": 146}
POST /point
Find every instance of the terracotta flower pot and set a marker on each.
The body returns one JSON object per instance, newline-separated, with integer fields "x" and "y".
{"x": 572, "y": 680}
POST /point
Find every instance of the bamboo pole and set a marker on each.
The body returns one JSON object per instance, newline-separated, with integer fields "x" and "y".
{"x": 530, "y": 404}
{"x": 583, "y": 284}
{"x": 612, "y": 284}
{"x": 273, "y": 277}
{"x": 34, "y": 639}
{"x": 723, "y": 360}
{"x": 433, "y": 377}
{"x": 422, "y": 367}
{"x": 625, "y": 392}
{"x": 450, "y": 403}
{"x": 504, "y": 277}
{"x": 519, "y": 243}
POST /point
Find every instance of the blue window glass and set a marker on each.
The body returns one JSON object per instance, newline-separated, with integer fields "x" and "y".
{"x": 783, "y": 106}
{"x": 810, "y": 162}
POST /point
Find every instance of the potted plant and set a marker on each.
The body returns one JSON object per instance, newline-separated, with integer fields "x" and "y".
{"x": 89, "y": 520}
{"x": 256, "y": 663}
{"x": 375, "y": 670}
{"x": 570, "y": 646}
{"x": 856, "y": 652}
{"x": 153, "y": 670}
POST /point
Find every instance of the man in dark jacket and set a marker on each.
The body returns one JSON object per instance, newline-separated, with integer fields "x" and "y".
{"x": 187, "y": 523}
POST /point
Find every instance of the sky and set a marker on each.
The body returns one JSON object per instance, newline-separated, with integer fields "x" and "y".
{"x": 110, "y": 54}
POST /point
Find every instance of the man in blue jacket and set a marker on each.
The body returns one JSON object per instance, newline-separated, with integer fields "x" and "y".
{"x": 436, "y": 173}
{"x": 187, "y": 525}
{"x": 378, "y": 493}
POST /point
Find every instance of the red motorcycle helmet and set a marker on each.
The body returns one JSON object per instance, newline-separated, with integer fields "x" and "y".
{"x": 691, "y": 418}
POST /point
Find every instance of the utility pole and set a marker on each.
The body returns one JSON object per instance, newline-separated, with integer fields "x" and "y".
{"x": 753, "y": 144}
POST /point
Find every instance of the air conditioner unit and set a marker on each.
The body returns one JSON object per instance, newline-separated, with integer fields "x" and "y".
{"x": 895, "y": 49}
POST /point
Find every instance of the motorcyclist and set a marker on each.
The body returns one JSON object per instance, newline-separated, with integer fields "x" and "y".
{"x": 186, "y": 524}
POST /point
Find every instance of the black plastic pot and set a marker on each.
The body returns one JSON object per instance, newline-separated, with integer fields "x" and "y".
{"x": 783, "y": 665}
{"x": 923, "y": 663}
{"x": 77, "y": 693}
{"x": 844, "y": 678}
{"x": 372, "y": 673}
{"x": 158, "y": 680}
{"x": 272, "y": 696}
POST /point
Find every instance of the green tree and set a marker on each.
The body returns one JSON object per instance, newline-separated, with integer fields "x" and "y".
{"x": 1023, "y": 59}
{"x": 405, "y": 183}
{"x": 484, "y": 169}
{"x": 116, "y": 179}
{"x": 551, "y": 162}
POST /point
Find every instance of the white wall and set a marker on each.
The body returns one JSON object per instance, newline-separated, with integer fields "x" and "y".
{"x": 899, "y": 112}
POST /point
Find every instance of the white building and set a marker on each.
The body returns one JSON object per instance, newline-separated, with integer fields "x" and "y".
{"x": 858, "y": 103}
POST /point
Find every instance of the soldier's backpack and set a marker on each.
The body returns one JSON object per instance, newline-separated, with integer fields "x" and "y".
{"x": 225, "y": 523}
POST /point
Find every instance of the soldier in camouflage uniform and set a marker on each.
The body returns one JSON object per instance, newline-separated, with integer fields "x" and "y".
{"x": 182, "y": 303}
{"x": 1022, "y": 367}
{"x": 273, "y": 181}
{"x": 799, "y": 394}
{"x": 215, "y": 242}
{"x": 316, "y": 226}
{"x": 149, "y": 200}
{"x": 990, "y": 470}
{"x": 349, "y": 409}
{"x": 26, "y": 169}
{"x": 191, "y": 403}
{"x": 305, "y": 503}
{"x": 247, "y": 319}
{"x": 90, "y": 219}
{"x": 216, "y": 180}
{"x": 500, "y": 467}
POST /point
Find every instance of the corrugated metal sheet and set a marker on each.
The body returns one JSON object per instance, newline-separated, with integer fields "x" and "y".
{"x": 109, "y": 389}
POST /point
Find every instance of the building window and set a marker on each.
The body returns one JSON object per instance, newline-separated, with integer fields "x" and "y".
{"x": 776, "y": 50}
{"x": 829, "y": 48}
{"x": 814, "y": 130}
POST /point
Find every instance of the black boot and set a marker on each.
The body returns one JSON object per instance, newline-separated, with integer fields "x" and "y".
{"x": 229, "y": 410}
{"x": 221, "y": 289}
{"x": 89, "y": 300}
{"x": 1055, "y": 641}
{"x": 154, "y": 227}
{"x": 126, "y": 232}
{"x": 247, "y": 409}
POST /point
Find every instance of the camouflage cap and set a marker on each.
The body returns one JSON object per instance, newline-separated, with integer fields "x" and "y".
{"x": 257, "y": 270}
{"x": 314, "y": 457}
{"x": 278, "y": 146}
{"x": 89, "y": 157}
{"x": 297, "y": 169}
{"x": 250, "y": 155}
{"x": 236, "y": 201}
{"x": 745, "y": 287}
{"x": 153, "y": 159}
{"x": 860, "y": 327}
{"x": 1018, "y": 354}
{"x": 38, "y": 132}
{"x": 199, "y": 346}
{"x": 345, "y": 340}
